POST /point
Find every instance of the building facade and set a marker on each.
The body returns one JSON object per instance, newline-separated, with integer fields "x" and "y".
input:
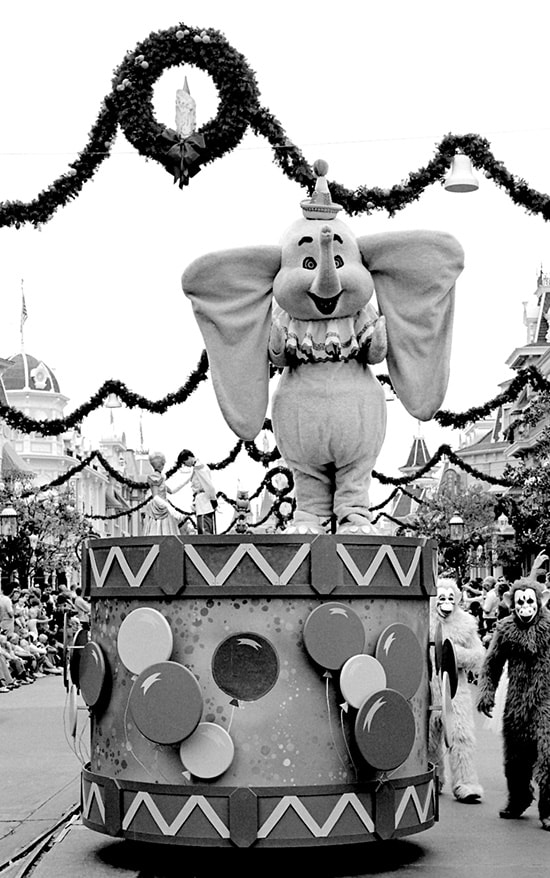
{"x": 30, "y": 386}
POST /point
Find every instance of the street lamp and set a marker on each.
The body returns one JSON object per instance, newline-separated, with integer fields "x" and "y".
{"x": 504, "y": 528}
{"x": 8, "y": 522}
{"x": 456, "y": 528}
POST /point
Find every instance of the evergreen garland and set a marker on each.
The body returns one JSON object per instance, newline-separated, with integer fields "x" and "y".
{"x": 55, "y": 426}
{"x": 129, "y": 105}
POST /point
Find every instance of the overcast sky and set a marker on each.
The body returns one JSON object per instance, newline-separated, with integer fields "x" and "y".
{"x": 372, "y": 88}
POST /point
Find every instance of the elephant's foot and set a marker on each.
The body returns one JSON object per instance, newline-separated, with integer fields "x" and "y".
{"x": 305, "y": 523}
{"x": 355, "y": 523}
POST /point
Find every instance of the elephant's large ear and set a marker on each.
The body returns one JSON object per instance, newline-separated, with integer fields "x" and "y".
{"x": 414, "y": 274}
{"x": 230, "y": 292}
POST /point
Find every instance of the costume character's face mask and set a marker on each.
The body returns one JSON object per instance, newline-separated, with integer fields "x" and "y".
{"x": 445, "y": 602}
{"x": 526, "y": 605}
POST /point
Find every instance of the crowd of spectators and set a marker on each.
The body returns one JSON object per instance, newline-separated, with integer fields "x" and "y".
{"x": 484, "y": 599}
{"x": 36, "y": 625}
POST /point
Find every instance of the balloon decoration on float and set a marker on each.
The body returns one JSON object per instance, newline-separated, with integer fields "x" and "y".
{"x": 166, "y": 703}
{"x": 93, "y": 674}
{"x": 333, "y": 633}
{"x": 378, "y": 687}
{"x": 245, "y": 666}
{"x": 208, "y": 752}
{"x": 75, "y": 652}
{"x": 447, "y": 714}
{"x": 385, "y": 730}
{"x": 360, "y": 677}
{"x": 449, "y": 665}
{"x": 401, "y": 656}
{"x": 144, "y": 638}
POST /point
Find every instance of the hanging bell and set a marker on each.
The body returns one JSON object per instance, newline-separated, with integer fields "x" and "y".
{"x": 112, "y": 401}
{"x": 460, "y": 177}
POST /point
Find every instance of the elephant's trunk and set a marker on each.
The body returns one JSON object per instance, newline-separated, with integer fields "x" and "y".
{"x": 326, "y": 283}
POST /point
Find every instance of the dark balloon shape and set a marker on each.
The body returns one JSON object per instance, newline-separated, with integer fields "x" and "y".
{"x": 333, "y": 633}
{"x": 448, "y": 664}
{"x": 438, "y": 647}
{"x": 92, "y": 673}
{"x": 245, "y": 666}
{"x": 385, "y": 729}
{"x": 81, "y": 638}
{"x": 401, "y": 656}
{"x": 166, "y": 702}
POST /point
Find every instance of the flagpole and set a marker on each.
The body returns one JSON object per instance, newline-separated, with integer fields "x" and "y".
{"x": 24, "y": 314}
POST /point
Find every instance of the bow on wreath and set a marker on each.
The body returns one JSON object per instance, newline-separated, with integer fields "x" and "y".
{"x": 182, "y": 159}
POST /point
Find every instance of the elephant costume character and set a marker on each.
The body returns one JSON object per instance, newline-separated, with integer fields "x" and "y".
{"x": 305, "y": 306}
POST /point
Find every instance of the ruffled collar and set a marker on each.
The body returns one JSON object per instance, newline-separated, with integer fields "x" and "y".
{"x": 321, "y": 340}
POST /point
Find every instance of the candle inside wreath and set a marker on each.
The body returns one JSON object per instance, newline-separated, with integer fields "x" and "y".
{"x": 185, "y": 112}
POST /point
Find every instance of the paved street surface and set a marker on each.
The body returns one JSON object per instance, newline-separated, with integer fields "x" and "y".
{"x": 39, "y": 783}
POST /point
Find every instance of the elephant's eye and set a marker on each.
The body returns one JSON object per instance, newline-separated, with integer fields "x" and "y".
{"x": 338, "y": 261}
{"x": 309, "y": 263}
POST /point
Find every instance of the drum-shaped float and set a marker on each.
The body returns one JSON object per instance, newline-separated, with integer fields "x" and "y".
{"x": 268, "y": 711}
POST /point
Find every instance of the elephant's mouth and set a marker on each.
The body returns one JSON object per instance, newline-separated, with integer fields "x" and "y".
{"x": 325, "y": 306}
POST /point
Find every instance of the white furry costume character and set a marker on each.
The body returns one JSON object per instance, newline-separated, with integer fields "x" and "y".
{"x": 461, "y": 629}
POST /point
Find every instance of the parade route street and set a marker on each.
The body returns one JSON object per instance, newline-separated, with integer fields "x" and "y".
{"x": 40, "y": 783}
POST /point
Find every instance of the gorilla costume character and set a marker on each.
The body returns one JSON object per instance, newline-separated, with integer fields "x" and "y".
{"x": 523, "y": 640}
{"x": 460, "y": 628}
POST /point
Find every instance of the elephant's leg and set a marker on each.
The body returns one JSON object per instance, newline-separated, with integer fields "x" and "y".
{"x": 351, "y": 494}
{"x": 314, "y": 486}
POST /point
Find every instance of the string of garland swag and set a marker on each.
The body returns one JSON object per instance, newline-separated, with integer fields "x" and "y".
{"x": 55, "y": 426}
{"x": 116, "y": 515}
{"x": 129, "y": 105}
{"x": 444, "y": 451}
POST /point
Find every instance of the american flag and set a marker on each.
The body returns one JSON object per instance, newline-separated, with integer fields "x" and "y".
{"x": 24, "y": 312}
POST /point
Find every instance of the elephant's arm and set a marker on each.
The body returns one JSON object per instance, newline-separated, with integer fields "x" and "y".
{"x": 375, "y": 347}
{"x": 276, "y": 347}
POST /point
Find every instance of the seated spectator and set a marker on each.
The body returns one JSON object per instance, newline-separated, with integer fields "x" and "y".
{"x": 38, "y": 652}
{"x": 47, "y": 600}
{"x": 27, "y": 657}
{"x": 15, "y": 664}
{"x": 7, "y": 682}
{"x": 37, "y": 618}
{"x": 53, "y": 659}
{"x": 6, "y": 613}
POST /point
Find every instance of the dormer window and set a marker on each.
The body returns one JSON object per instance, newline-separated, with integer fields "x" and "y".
{"x": 40, "y": 376}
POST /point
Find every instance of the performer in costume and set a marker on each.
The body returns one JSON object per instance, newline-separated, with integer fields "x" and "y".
{"x": 162, "y": 519}
{"x": 460, "y": 627}
{"x": 305, "y": 306}
{"x": 204, "y": 493}
{"x": 522, "y": 639}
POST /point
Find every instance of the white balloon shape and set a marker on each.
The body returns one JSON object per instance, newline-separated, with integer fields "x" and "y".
{"x": 144, "y": 638}
{"x": 360, "y": 677}
{"x": 208, "y": 752}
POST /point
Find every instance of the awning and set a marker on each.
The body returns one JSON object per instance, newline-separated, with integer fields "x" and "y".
{"x": 12, "y": 464}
